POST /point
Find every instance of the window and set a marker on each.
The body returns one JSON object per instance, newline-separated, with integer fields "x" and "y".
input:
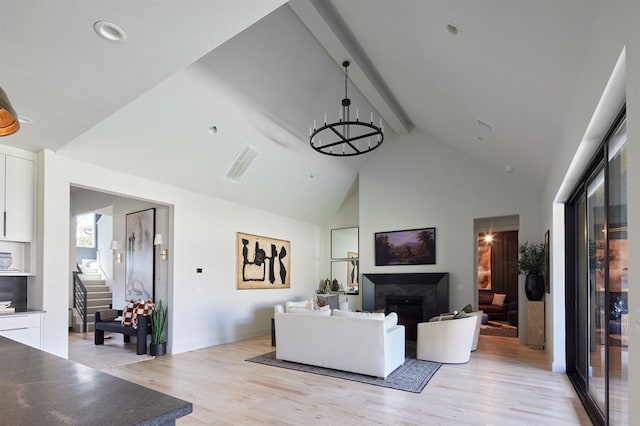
{"x": 86, "y": 230}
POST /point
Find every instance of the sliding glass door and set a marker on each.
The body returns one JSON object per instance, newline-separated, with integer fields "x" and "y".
{"x": 597, "y": 314}
{"x": 596, "y": 354}
{"x": 618, "y": 285}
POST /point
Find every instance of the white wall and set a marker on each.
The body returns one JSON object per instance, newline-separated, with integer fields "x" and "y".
{"x": 105, "y": 235}
{"x": 591, "y": 114}
{"x": 205, "y": 309}
{"x": 345, "y": 217}
{"x": 415, "y": 181}
{"x": 633, "y": 197}
{"x": 616, "y": 27}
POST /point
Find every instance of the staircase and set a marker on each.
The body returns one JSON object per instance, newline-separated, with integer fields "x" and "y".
{"x": 99, "y": 295}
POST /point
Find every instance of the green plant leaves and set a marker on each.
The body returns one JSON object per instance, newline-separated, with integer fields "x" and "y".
{"x": 158, "y": 324}
{"x": 531, "y": 258}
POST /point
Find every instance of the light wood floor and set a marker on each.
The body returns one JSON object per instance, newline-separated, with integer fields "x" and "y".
{"x": 504, "y": 383}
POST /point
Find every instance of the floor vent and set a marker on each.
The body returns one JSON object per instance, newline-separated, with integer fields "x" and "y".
{"x": 241, "y": 164}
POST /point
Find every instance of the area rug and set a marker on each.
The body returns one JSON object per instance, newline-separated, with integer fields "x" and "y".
{"x": 412, "y": 376}
{"x": 495, "y": 328}
{"x": 114, "y": 352}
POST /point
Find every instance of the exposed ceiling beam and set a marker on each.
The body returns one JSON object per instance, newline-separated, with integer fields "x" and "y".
{"x": 323, "y": 23}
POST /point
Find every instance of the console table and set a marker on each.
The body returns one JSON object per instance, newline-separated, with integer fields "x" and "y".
{"x": 333, "y": 300}
{"x": 40, "y": 388}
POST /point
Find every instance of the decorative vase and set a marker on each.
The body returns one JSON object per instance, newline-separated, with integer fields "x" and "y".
{"x": 5, "y": 260}
{"x": 157, "y": 349}
{"x": 336, "y": 285}
{"x": 534, "y": 287}
{"x": 327, "y": 286}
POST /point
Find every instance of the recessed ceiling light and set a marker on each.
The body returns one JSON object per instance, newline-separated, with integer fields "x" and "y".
{"x": 23, "y": 119}
{"x": 311, "y": 177}
{"x": 110, "y": 31}
{"x": 453, "y": 28}
{"x": 213, "y": 130}
{"x": 485, "y": 124}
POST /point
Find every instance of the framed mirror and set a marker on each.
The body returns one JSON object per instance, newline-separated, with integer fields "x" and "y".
{"x": 347, "y": 272}
{"x": 344, "y": 243}
{"x": 345, "y": 266}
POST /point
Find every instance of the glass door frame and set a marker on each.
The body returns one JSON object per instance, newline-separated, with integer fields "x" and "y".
{"x": 580, "y": 379}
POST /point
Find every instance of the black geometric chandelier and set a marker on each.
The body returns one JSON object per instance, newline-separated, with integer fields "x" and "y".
{"x": 344, "y": 137}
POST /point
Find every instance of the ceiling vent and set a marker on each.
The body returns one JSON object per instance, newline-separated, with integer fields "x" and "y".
{"x": 241, "y": 164}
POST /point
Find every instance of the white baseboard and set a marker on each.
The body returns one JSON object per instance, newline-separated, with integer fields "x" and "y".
{"x": 558, "y": 367}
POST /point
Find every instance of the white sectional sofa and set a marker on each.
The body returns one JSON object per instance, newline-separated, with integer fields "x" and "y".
{"x": 358, "y": 343}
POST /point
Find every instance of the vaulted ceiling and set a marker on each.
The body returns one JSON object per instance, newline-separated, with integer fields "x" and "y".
{"x": 261, "y": 71}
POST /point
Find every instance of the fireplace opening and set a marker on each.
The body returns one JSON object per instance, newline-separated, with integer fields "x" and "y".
{"x": 410, "y": 312}
{"x": 416, "y": 297}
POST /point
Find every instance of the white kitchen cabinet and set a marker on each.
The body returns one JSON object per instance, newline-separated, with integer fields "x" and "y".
{"x": 17, "y": 195}
{"x": 23, "y": 327}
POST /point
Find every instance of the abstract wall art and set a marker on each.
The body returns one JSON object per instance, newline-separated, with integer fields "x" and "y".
{"x": 139, "y": 264}
{"x": 262, "y": 262}
{"x": 353, "y": 272}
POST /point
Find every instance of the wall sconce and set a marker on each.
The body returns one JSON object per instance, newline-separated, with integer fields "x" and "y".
{"x": 157, "y": 241}
{"x": 116, "y": 256}
{"x": 9, "y": 123}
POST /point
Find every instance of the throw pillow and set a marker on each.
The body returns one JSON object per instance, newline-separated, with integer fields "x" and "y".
{"x": 467, "y": 309}
{"x": 391, "y": 320}
{"x": 498, "y": 299}
{"x": 442, "y": 317}
{"x": 144, "y": 308}
{"x": 306, "y": 304}
{"x": 303, "y": 311}
{"x": 108, "y": 314}
{"x": 458, "y": 315}
{"x": 375, "y": 315}
{"x": 133, "y": 309}
{"x": 127, "y": 313}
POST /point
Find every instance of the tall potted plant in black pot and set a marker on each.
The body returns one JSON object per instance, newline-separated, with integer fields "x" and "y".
{"x": 531, "y": 263}
{"x": 158, "y": 344}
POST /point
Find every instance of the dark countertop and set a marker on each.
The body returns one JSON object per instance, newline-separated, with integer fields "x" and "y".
{"x": 22, "y": 312}
{"x": 40, "y": 388}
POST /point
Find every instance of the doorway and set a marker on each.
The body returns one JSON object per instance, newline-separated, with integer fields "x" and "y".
{"x": 496, "y": 274}
{"x": 107, "y": 250}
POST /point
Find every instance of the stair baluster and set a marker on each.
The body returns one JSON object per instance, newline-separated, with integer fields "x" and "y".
{"x": 80, "y": 299}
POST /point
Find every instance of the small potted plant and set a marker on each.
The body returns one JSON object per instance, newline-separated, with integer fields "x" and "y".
{"x": 531, "y": 263}
{"x": 158, "y": 344}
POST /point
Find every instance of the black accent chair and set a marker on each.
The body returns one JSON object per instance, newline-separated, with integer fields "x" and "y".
{"x": 105, "y": 321}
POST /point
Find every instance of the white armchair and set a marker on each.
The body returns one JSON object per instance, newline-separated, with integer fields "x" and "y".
{"x": 448, "y": 341}
{"x": 476, "y": 334}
